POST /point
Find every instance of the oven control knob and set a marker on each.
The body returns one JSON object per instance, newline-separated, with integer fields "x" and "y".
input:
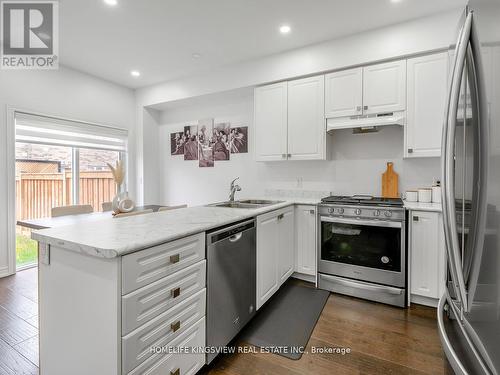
{"x": 385, "y": 259}
{"x": 357, "y": 211}
{"x": 388, "y": 213}
{"x": 340, "y": 210}
{"x": 330, "y": 210}
{"x": 376, "y": 213}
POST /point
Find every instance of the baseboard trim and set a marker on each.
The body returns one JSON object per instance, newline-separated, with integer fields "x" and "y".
{"x": 426, "y": 301}
{"x": 4, "y": 271}
{"x": 304, "y": 277}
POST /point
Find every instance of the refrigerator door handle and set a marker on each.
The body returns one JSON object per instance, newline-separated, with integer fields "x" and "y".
{"x": 452, "y": 356}
{"x": 448, "y": 165}
{"x": 467, "y": 333}
{"x": 480, "y": 203}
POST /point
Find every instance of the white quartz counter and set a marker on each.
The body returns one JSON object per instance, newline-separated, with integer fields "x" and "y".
{"x": 419, "y": 206}
{"x": 113, "y": 237}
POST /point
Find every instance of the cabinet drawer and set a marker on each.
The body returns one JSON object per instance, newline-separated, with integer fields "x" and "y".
{"x": 182, "y": 363}
{"x": 136, "y": 347}
{"x": 143, "y": 267}
{"x": 150, "y": 301}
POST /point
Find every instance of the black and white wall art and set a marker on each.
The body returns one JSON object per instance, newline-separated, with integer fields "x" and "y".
{"x": 208, "y": 141}
{"x": 239, "y": 140}
{"x": 191, "y": 142}
{"x": 221, "y": 141}
{"x": 177, "y": 143}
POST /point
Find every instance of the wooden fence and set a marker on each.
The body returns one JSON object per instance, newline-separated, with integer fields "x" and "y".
{"x": 37, "y": 193}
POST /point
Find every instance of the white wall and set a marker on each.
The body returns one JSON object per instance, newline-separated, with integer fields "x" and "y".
{"x": 63, "y": 93}
{"x": 409, "y": 38}
{"x": 183, "y": 181}
{"x": 356, "y": 166}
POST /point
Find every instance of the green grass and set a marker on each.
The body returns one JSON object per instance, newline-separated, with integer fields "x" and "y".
{"x": 26, "y": 250}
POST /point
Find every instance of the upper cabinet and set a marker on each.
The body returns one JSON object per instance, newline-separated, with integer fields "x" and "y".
{"x": 369, "y": 90}
{"x": 344, "y": 93}
{"x": 290, "y": 120}
{"x": 271, "y": 121}
{"x": 306, "y": 119}
{"x": 384, "y": 87}
{"x": 427, "y": 87}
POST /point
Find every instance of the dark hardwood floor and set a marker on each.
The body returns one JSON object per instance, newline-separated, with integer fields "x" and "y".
{"x": 18, "y": 323}
{"x": 382, "y": 339}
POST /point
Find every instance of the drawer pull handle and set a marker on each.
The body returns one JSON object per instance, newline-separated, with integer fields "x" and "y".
{"x": 174, "y": 258}
{"x": 175, "y": 326}
{"x": 175, "y": 292}
{"x": 176, "y": 372}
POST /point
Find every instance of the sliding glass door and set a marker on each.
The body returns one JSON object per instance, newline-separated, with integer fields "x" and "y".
{"x": 96, "y": 184}
{"x": 44, "y": 179}
{"x": 60, "y": 163}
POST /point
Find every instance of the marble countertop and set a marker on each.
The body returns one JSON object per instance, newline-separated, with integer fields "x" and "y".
{"x": 113, "y": 237}
{"x": 419, "y": 206}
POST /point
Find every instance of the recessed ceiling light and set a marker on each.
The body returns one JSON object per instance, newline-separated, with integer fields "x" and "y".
{"x": 135, "y": 73}
{"x": 285, "y": 29}
{"x": 111, "y": 2}
{"x": 395, "y": 1}
{"x": 196, "y": 55}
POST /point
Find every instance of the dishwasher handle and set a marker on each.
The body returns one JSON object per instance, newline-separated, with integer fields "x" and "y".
{"x": 233, "y": 233}
{"x": 235, "y": 237}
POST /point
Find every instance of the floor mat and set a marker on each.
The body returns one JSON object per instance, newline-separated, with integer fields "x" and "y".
{"x": 287, "y": 320}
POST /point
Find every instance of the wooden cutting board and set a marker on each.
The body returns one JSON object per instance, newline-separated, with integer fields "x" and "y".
{"x": 390, "y": 182}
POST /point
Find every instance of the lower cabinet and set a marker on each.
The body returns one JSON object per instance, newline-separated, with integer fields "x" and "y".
{"x": 128, "y": 315}
{"x": 427, "y": 257}
{"x": 305, "y": 239}
{"x": 275, "y": 251}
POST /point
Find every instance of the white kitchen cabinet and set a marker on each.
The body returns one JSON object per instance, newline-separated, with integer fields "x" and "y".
{"x": 271, "y": 123}
{"x": 427, "y": 88}
{"x": 384, "y": 87}
{"x": 167, "y": 311}
{"x": 275, "y": 251}
{"x": 344, "y": 93}
{"x": 427, "y": 257}
{"x": 305, "y": 239}
{"x": 306, "y": 119}
{"x": 286, "y": 249}
{"x": 368, "y": 90}
{"x": 267, "y": 259}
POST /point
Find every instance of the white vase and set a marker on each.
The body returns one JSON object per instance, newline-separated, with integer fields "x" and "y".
{"x": 122, "y": 203}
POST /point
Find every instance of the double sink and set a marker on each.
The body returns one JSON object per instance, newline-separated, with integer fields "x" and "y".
{"x": 246, "y": 203}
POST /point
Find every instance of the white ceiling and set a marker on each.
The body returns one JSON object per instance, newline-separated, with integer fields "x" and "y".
{"x": 159, "y": 37}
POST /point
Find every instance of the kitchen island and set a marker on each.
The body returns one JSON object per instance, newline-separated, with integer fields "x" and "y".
{"x": 111, "y": 290}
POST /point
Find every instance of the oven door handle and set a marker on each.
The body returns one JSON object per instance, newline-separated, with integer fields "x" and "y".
{"x": 366, "y": 286}
{"x": 373, "y": 223}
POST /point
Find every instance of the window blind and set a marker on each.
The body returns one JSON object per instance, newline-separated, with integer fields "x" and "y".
{"x": 57, "y": 132}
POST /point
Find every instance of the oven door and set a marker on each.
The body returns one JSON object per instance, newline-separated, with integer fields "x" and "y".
{"x": 368, "y": 250}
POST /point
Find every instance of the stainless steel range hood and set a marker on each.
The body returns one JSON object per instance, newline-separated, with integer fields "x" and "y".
{"x": 366, "y": 121}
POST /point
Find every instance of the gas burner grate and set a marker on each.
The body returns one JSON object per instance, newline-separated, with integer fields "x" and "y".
{"x": 363, "y": 200}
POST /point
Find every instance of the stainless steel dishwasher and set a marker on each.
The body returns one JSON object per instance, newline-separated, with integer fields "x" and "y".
{"x": 231, "y": 294}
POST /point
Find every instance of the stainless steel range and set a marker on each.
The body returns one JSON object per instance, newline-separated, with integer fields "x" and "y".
{"x": 362, "y": 248}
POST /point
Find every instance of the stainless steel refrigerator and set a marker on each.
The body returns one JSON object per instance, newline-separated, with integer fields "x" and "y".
{"x": 469, "y": 311}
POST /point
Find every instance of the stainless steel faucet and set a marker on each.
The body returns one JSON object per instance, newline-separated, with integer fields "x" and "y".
{"x": 233, "y": 189}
